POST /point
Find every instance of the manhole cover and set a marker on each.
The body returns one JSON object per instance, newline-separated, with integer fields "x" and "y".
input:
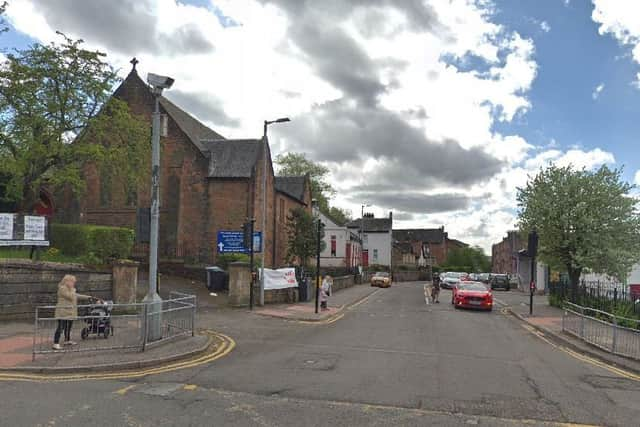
{"x": 315, "y": 362}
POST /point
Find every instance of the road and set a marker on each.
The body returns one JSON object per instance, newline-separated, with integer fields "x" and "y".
{"x": 390, "y": 360}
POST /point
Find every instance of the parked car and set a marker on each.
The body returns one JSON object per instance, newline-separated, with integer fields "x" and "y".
{"x": 500, "y": 281}
{"x": 381, "y": 279}
{"x": 449, "y": 279}
{"x": 472, "y": 295}
{"x": 483, "y": 277}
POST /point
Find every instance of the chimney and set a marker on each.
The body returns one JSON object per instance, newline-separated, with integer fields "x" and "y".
{"x": 391, "y": 215}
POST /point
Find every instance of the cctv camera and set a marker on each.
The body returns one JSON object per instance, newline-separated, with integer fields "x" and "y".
{"x": 159, "y": 82}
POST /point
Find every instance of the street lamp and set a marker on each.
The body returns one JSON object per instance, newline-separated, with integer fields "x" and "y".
{"x": 362, "y": 233}
{"x": 152, "y": 299}
{"x": 264, "y": 200}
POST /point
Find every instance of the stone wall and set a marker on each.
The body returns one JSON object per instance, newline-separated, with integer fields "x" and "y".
{"x": 25, "y": 284}
{"x": 410, "y": 276}
{"x": 343, "y": 282}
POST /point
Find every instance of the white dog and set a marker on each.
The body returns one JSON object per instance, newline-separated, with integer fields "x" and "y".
{"x": 428, "y": 292}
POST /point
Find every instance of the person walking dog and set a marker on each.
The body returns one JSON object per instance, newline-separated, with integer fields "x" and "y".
{"x": 66, "y": 309}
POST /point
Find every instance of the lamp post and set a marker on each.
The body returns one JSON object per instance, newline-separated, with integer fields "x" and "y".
{"x": 362, "y": 233}
{"x": 152, "y": 299}
{"x": 318, "y": 247}
{"x": 264, "y": 200}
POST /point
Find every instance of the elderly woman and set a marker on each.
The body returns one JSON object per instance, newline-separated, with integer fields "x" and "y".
{"x": 325, "y": 292}
{"x": 66, "y": 309}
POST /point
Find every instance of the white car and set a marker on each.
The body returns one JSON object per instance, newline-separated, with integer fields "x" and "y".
{"x": 449, "y": 279}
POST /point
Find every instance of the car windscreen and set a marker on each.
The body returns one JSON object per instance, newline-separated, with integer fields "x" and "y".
{"x": 382, "y": 274}
{"x": 472, "y": 287}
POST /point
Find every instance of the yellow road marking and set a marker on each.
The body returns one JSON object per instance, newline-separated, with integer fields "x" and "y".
{"x": 190, "y": 387}
{"x": 363, "y": 300}
{"x": 227, "y": 345}
{"x": 124, "y": 390}
{"x": 582, "y": 357}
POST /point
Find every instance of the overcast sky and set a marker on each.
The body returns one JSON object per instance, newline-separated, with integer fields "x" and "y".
{"x": 435, "y": 109}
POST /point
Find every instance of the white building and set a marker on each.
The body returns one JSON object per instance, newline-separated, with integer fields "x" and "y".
{"x": 342, "y": 246}
{"x": 376, "y": 239}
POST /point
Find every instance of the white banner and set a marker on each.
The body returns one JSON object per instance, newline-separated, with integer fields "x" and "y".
{"x": 280, "y": 279}
{"x": 34, "y": 227}
{"x": 6, "y": 226}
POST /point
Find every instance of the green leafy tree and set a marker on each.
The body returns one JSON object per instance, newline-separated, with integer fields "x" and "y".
{"x": 297, "y": 164}
{"x": 302, "y": 233}
{"x": 56, "y": 116}
{"x": 584, "y": 220}
{"x": 472, "y": 256}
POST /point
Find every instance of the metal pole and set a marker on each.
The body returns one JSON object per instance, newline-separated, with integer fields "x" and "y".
{"x": 152, "y": 298}
{"x": 533, "y": 278}
{"x": 264, "y": 211}
{"x": 251, "y": 298}
{"x": 317, "y": 264}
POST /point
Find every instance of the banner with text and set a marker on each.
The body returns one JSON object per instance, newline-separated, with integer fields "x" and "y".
{"x": 281, "y": 278}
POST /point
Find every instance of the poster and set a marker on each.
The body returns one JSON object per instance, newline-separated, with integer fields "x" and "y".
{"x": 34, "y": 227}
{"x": 280, "y": 279}
{"x": 6, "y": 226}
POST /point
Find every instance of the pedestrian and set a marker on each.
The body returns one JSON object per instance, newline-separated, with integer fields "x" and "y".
{"x": 66, "y": 309}
{"x": 325, "y": 291}
{"x": 435, "y": 292}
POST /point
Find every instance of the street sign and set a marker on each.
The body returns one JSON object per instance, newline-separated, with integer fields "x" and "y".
{"x": 233, "y": 242}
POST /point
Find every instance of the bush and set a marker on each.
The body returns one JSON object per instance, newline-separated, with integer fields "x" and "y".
{"x": 95, "y": 243}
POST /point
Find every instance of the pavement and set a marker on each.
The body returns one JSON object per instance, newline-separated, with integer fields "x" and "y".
{"x": 305, "y": 311}
{"x": 548, "y": 320}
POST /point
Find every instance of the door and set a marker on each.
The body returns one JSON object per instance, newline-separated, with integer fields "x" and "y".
{"x": 365, "y": 257}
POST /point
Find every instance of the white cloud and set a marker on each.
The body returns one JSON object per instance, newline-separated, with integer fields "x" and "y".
{"x": 544, "y": 26}
{"x": 267, "y": 67}
{"x": 596, "y": 92}
{"x": 620, "y": 19}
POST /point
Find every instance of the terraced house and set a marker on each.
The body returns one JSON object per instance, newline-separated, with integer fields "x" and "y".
{"x": 208, "y": 184}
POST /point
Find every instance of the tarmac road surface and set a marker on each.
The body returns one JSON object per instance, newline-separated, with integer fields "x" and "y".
{"x": 391, "y": 360}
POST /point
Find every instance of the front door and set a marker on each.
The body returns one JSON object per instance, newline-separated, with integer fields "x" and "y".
{"x": 365, "y": 257}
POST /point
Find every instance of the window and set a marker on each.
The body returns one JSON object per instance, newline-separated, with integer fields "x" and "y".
{"x": 364, "y": 238}
{"x": 333, "y": 245}
{"x": 375, "y": 255}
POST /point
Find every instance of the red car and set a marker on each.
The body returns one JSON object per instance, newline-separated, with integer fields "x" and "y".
{"x": 472, "y": 295}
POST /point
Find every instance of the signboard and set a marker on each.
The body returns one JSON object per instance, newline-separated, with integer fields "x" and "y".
{"x": 34, "y": 227}
{"x": 281, "y": 278}
{"x": 6, "y": 226}
{"x": 233, "y": 242}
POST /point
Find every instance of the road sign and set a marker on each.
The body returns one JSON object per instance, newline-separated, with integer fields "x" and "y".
{"x": 233, "y": 242}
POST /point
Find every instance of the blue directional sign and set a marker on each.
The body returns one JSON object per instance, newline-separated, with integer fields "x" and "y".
{"x": 232, "y": 242}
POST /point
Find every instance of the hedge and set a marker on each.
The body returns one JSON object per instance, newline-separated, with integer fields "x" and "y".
{"x": 96, "y": 242}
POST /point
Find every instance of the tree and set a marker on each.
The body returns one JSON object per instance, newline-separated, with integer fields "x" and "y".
{"x": 302, "y": 233}
{"x": 56, "y": 115}
{"x": 297, "y": 164}
{"x": 584, "y": 220}
{"x": 338, "y": 215}
{"x": 472, "y": 257}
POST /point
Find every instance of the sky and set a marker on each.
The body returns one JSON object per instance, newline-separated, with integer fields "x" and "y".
{"x": 437, "y": 110}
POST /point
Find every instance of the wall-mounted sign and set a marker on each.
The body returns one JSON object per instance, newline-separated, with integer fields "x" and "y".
{"x": 6, "y": 226}
{"x": 34, "y": 227}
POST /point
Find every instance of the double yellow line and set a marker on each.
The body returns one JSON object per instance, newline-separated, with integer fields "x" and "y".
{"x": 225, "y": 346}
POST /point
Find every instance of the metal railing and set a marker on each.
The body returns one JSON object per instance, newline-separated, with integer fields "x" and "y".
{"x": 615, "y": 334}
{"x": 126, "y": 327}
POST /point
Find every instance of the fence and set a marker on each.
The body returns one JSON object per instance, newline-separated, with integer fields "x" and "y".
{"x": 600, "y": 295}
{"x": 104, "y": 327}
{"x": 618, "y": 335}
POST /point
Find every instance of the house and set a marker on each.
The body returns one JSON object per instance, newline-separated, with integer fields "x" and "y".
{"x": 504, "y": 255}
{"x": 435, "y": 244}
{"x": 377, "y": 239}
{"x": 343, "y": 247}
{"x": 207, "y": 184}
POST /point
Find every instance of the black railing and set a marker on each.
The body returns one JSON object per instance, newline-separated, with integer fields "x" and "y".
{"x": 606, "y": 296}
